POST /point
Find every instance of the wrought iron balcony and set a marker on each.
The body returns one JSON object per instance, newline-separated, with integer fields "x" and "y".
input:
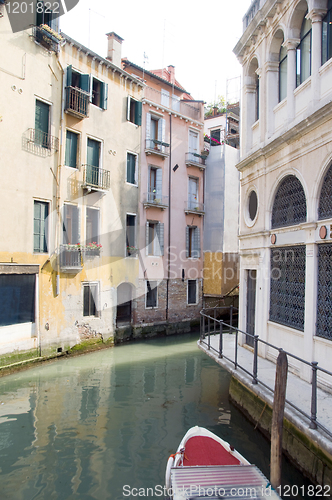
{"x": 77, "y": 102}
{"x": 155, "y": 199}
{"x": 153, "y": 146}
{"x": 46, "y": 37}
{"x": 39, "y": 143}
{"x": 95, "y": 178}
{"x": 70, "y": 258}
{"x": 193, "y": 207}
{"x": 195, "y": 160}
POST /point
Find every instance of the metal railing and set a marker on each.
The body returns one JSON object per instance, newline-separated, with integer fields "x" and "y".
{"x": 46, "y": 39}
{"x": 194, "y": 206}
{"x": 95, "y": 177}
{"x": 157, "y": 147}
{"x": 195, "y": 159}
{"x": 77, "y": 102}
{"x": 39, "y": 142}
{"x": 70, "y": 258}
{"x": 220, "y": 327}
{"x": 155, "y": 198}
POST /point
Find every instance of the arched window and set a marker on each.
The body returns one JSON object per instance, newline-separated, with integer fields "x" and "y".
{"x": 282, "y": 73}
{"x": 303, "y": 52}
{"x": 289, "y": 207}
{"x": 325, "y": 199}
{"x": 327, "y": 34}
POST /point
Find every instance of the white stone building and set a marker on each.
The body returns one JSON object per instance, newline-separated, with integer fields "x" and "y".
{"x": 286, "y": 177}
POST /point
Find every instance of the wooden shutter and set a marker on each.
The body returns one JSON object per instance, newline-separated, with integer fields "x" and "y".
{"x": 128, "y": 108}
{"x": 160, "y": 235}
{"x": 103, "y": 95}
{"x": 147, "y": 231}
{"x": 40, "y": 226}
{"x": 69, "y": 75}
{"x": 159, "y": 174}
{"x": 93, "y": 153}
{"x": 42, "y": 116}
{"x": 85, "y": 82}
{"x": 196, "y": 243}
{"x": 131, "y": 164}
{"x": 71, "y": 149}
{"x": 138, "y": 113}
{"x": 148, "y": 130}
{"x": 187, "y": 242}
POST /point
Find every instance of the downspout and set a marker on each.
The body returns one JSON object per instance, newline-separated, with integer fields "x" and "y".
{"x": 169, "y": 216}
{"x": 58, "y": 181}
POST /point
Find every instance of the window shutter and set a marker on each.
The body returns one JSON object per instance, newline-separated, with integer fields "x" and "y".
{"x": 148, "y": 129}
{"x": 91, "y": 87}
{"x": 85, "y": 83}
{"x": 138, "y": 113}
{"x": 42, "y": 116}
{"x": 75, "y": 238}
{"x": 160, "y": 234}
{"x": 131, "y": 164}
{"x": 103, "y": 95}
{"x": 159, "y": 174}
{"x": 71, "y": 150}
{"x": 197, "y": 243}
{"x": 147, "y": 238}
{"x": 187, "y": 242}
{"x": 69, "y": 75}
{"x": 128, "y": 108}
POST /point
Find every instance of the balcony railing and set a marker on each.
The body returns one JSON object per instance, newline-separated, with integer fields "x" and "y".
{"x": 153, "y": 146}
{"x": 96, "y": 178}
{"x": 152, "y": 199}
{"x": 194, "y": 207}
{"x": 195, "y": 160}
{"x": 70, "y": 258}
{"x": 190, "y": 109}
{"x": 46, "y": 38}
{"x": 77, "y": 102}
{"x": 40, "y": 143}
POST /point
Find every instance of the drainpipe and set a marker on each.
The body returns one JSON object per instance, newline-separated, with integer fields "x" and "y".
{"x": 169, "y": 216}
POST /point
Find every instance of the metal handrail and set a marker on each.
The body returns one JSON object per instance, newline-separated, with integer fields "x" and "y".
{"x": 254, "y": 374}
{"x": 96, "y": 177}
{"x": 77, "y": 101}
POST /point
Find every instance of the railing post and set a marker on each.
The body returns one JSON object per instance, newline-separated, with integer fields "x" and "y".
{"x": 203, "y": 336}
{"x": 313, "y": 424}
{"x": 220, "y": 340}
{"x": 254, "y": 380}
{"x": 214, "y": 322}
{"x": 208, "y": 332}
{"x": 231, "y": 319}
{"x": 236, "y": 341}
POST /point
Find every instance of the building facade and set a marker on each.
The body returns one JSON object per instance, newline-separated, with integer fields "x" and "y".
{"x": 171, "y": 203}
{"x": 66, "y": 206}
{"x": 286, "y": 171}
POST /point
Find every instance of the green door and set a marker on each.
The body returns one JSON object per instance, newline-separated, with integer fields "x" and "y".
{"x": 92, "y": 168}
{"x": 42, "y": 118}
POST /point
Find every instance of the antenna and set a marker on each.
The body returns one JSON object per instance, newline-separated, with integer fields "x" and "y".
{"x": 145, "y": 58}
{"x": 90, "y": 10}
{"x": 162, "y": 61}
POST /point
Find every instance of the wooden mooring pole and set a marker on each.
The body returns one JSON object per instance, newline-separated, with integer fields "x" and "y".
{"x": 277, "y": 418}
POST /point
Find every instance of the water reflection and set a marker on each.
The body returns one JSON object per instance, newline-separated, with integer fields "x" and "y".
{"x": 83, "y": 428}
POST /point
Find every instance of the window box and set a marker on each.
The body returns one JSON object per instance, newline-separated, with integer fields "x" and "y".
{"x": 70, "y": 258}
{"x": 47, "y": 37}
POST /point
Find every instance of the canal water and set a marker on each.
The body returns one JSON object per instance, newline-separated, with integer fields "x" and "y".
{"x": 102, "y": 425}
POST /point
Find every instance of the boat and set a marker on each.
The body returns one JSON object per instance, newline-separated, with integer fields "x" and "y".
{"x": 206, "y": 466}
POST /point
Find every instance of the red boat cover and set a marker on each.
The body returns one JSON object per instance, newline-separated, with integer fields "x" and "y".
{"x": 203, "y": 450}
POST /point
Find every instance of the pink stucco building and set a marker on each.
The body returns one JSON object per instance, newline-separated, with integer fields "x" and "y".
{"x": 170, "y": 177}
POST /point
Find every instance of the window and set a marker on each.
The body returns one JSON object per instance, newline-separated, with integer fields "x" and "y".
{"x": 215, "y": 134}
{"x": 151, "y": 296}
{"x": 70, "y": 222}
{"x": 287, "y": 286}
{"x": 252, "y": 205}
{"x": 164, "y": 98}
{"x": 282, "y": 73}
{"x": 90, "y": 295}
{"x": 289, "y": 207}
{"x": 99, "y": 93}
{"x": 92, "y": 225}
{"x": 325, "y": 199}
{"x": 71, "y": 149}
{"x": 193, "y": 193}
{"x": 155, "y": 133}
{"x": 303, "y": 52}
{"x": 40, "y": 227}
{"x": 327, "y": 34}
{"x": 42, "y": 120}
{"x": 17, "y": 304}
{"x": 131, "y": 168}
{"x": 193, "y": 242}
{"x": 131, "y": 235}
{"x": 155, "y": 185}
{"x": 324, "y": 292}
{"x": 154, "y": 238}
{"x": 134, "y": 111}
{"x": 46, "y": 16}
{"x": 93, "y": 162}
{"x": 192, "y": 291}
{"x": 77, "y": 92}
{"x": 257, "y": 99}
{"x": 193, "y": 142}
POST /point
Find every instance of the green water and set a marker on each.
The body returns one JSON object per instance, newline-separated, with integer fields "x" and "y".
{"x": 99, "y": 425}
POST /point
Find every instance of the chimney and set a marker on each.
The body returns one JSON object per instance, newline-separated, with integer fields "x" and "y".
{"x": 171, "y": 70}
{"x": 114, "y": 48}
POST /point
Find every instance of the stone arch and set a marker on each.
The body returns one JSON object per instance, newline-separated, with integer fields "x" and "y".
{"x": 289, "y": 205}
{"x": 296, "y": 18}
{"x": 324, "y": 196}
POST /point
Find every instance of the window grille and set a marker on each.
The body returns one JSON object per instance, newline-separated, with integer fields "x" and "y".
{"x": 324, "y": 292}
{"x": 325, "y": 199}
{"x": 289, "y": 207}
{"x": 287, "y": 286}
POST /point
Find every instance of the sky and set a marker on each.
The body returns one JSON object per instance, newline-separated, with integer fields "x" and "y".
{"x": 197, "y": 38}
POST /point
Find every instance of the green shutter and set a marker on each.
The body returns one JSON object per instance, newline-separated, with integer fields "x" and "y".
{"x": 103, "y": 95}
{"x": 85, "y": 83}
{"x": 138, "y": 113}
{"x": 131, "y": 164}
{"x": 40, "y": 227}
{"x": 69, "y": 75}
{"x": 160, "y": 235}
{"x": 71, "y": 149}
{"x": 93, "y": 153}
{"x": 42, "y": 123}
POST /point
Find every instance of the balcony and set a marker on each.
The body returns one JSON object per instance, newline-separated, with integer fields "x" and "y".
{"x": 39, "y": 143}
{"x": 95, "y": 178}
{"x": 195, "y": 160}
{"x": 193, "y": 207}
{"x": 70, "y": 259}
{"x": 77, "y": 102}
{"x": 155, "y": 200}
{"x": 47, "y": 37}
{"x": 159, "y": 148}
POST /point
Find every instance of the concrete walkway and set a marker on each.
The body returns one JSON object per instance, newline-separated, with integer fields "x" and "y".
{"x": 298, "y": 391}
